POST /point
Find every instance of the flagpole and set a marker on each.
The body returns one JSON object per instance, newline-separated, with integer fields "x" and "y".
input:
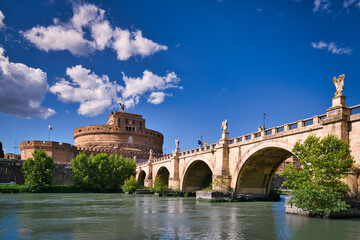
{"x": 49, "y": 134}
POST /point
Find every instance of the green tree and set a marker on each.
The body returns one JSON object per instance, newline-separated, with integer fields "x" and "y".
{"x": 159, "y": 185}
{"x": 38, "y": 171}
{"x": 317, "y": 186}
{"x": 130, "y": 185}
{"x": 101, "y": 173}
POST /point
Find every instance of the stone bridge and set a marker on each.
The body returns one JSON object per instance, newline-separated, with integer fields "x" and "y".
{"x": 247, "y": 164}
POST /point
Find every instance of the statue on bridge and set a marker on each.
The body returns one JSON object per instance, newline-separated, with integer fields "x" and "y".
{"x": 177, "y": 143}
{"x": 151, "y": 154}
{"x": 224, "y": 125}
{"x": 339, "y": 84}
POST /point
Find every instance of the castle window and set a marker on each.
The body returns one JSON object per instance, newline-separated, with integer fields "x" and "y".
{"x": 133, "y": 121}
{"x": 118, "y": 122}
{"x": 126, "y": 121}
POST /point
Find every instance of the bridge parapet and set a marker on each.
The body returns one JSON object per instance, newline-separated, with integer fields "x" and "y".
{"x": 355, "y": 110}
{"x": 289, "y": 128}
{"x": 279, "y": 130}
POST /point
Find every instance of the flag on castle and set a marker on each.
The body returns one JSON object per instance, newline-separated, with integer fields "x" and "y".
{"x": 50, "y": 128}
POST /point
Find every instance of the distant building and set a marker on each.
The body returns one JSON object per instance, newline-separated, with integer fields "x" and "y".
{"x": 123, "y": 131}
{"x": 124, "y": 134}
{"x": 12, "y": 156}
{"x": 291, "y": 160}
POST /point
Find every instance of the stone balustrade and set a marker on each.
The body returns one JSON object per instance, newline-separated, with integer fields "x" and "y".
{"x": 288, "y": 128}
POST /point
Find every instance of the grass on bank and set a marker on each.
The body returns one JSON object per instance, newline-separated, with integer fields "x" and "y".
{"x": 51, "y": 189}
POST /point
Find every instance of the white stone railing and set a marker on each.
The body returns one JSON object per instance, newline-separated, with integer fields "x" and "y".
{"x": 280, "y": 129}
{"x": 301, "y": 124}
{"x": 166, "y": 157}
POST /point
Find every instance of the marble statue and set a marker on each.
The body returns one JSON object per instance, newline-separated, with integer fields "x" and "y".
{"x": 339, "y": 84}
{"x": 224, "y": 125}
{"x": 177, "y": 142}
{"x": 151, "y": 154}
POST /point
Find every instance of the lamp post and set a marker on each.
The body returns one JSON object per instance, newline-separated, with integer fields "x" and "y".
{"x": 264, "y": 120}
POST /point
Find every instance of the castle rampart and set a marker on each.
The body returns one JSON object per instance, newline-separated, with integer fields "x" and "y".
{"x": 60, "y": 152}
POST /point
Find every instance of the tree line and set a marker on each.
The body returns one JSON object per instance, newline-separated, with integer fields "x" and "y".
{"x": 96, "y": 173}
{"x": 316, "y": 187}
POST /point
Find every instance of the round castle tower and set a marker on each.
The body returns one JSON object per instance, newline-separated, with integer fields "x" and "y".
{"x": 123, "y": 131}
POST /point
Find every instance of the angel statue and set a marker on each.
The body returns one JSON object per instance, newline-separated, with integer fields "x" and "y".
{"x": 224, "y": 125}
{"x": 339, "y": 84}
{"x": 151, "y": 154}
{"x": 177, "y": 142}
{"x": 122, "y": 107}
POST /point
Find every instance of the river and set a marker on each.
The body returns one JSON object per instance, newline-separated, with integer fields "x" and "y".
{"x": 120, "y": 216}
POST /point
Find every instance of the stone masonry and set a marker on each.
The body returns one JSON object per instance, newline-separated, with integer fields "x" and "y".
{"x": 247, "y": 164}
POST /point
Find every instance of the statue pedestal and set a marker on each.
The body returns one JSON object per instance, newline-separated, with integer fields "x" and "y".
{"x": 224, "y": 136}
{"x": 338, "y": 101}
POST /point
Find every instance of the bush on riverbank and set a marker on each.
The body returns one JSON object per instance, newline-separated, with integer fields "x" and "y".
{"x": 38, "y": 171}
{"x": 130, "y": 185}
{"x": 159, "y": 186}
{"x": 317, "y": 186}
{"x": 102, "y": 173}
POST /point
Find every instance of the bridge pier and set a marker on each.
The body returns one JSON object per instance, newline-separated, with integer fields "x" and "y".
{"x": 221, "y": 176}
{"x": 174, "y": 179}
{"x": 149, "y": 179}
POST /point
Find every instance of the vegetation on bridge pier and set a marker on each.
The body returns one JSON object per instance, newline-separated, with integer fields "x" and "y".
{"x": 317, "y": 186}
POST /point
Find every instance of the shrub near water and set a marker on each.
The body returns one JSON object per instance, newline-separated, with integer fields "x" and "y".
{"x": 38, "y": 171}
{"x": 101, "y": 173}
{"x": 317, "y": 187}
{"x": 130, "y": 185}
{"x": 159, "y": 185}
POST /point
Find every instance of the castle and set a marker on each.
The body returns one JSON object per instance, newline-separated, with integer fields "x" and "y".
{"x": 124, "y": 134}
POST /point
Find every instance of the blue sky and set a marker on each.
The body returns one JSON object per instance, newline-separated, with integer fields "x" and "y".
{"x": 184, "y": 65}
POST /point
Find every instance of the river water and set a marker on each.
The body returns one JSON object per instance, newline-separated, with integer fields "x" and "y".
{"x": 120, "y": 216}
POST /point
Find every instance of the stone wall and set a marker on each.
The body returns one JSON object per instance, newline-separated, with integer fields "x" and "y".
{"x": 60, "y": 152}
{"x": 10, "y": 171}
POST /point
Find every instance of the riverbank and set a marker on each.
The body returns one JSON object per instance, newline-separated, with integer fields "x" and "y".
{"x": 51, "y": 189}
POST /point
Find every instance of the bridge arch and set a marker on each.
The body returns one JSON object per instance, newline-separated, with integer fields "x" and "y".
{"x": 141, "y": 178}
{"x": 164, "y": 174}
{"x": 255, "y": 172}
{"x": 197, "y": 175}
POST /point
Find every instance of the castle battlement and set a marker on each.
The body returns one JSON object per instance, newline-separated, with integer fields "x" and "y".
{"x": 123, "y": 134}
{"x": 44, "y": 144}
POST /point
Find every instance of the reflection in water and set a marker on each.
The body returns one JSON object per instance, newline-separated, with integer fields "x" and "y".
{"x": 114, "y": 216}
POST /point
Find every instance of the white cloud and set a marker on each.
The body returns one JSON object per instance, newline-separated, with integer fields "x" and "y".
{"x": 331, "y": 47}
{"x": 22, "y": 89}
{"x": 348, "y": 3}
{"x": 2, "y": 24}
{"x": 127, "y": 44}
{"x": 59, "y": 38}
{"x": 88, "y": 17}
{"x": 157, "y": 97}
{"x": 149, "y": 82}
{"x": 97, "y": 93}
{"x": 322, "y": 5}
{"x": 94, "y": 93}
